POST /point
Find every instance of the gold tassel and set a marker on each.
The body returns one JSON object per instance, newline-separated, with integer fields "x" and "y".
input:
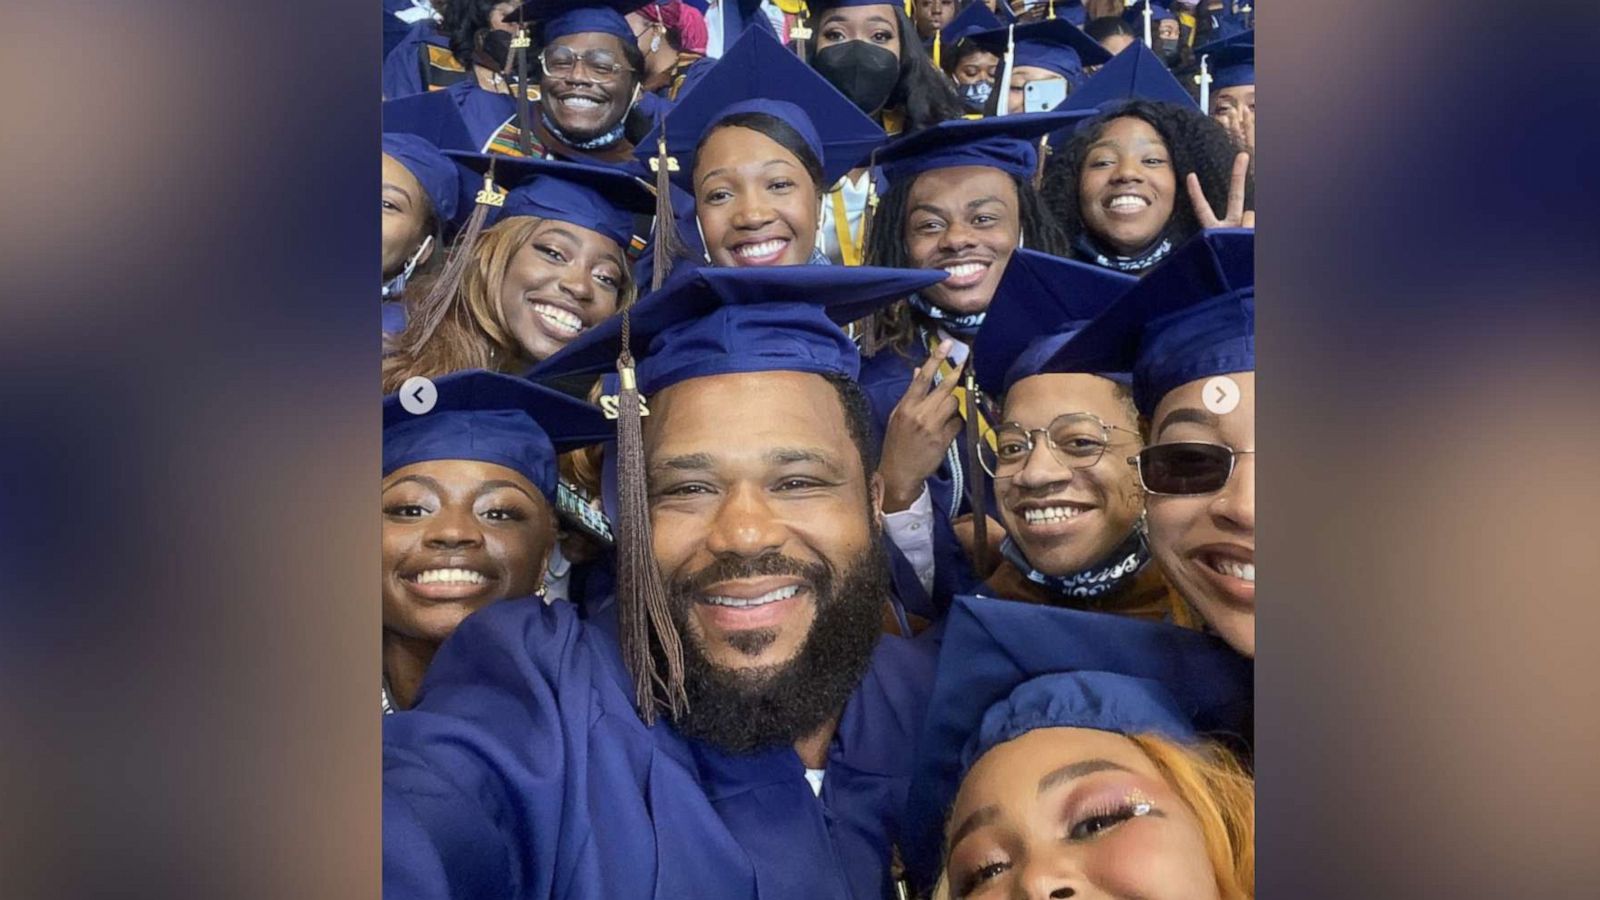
{"x": 1038, "y": 169}
{"x": 937, "y": 37}
{"x": 650, "y": 639}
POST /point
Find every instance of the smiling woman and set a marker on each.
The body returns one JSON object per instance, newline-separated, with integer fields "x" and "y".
{"x": 1119, "y": 186}
{"x": 468, "y": 492}
{"x": 1073, "y": 754}
{"x": 553, "y": 267}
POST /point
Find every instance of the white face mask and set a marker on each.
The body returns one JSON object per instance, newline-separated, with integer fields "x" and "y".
{"x": 397, "y": 285}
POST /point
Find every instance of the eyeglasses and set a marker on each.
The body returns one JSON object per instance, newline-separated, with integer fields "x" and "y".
{"x": 560, "y": 62}
{"x": 1076, "y": 440}
{"x": 1185, "y": 468}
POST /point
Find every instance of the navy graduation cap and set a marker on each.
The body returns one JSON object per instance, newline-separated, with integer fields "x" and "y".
{"x": 1136, "y": 72}
{"x": 439, "y": 176}
{"x": 1190, "y": 317}
{"x": 757, "y": 75}
{"x": 719, "y": 321}
{"x": 1054, "y": 44}
{"x": 430, "y": 115}
{"x": 599, "y": 198}
{"x": 1008, "y": 668}
{"x": 1007, "y": 143}
{"x": 976, "y": 17}
{"x": 559, "y": 18}
{"x": 1231, "y": 60}
{"x": 493, "y": 418}
{"x": 1039, "y": 304}
{"x": 1134, "y": 14}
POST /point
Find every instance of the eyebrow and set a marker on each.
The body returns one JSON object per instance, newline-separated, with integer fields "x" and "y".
{"x": 610, "y": 257}
{"x": 724, "y": 169}
{"x": 979, "y": 818}
{"x": 1186, "y": 414}
{"x": 688, "y": 462}
{"x": 391, "y": 186}
{"x": 1077, "y": 770}
{"x": 423, "y": 480}
{"x": 497, "y": 483}
{"x": 974, "y": 204}
{"x": 789, "y": 455}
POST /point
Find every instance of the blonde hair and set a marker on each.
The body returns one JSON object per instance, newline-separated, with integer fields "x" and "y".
{"x": 470, "y": 333}
{"x": 1209, "y": 780}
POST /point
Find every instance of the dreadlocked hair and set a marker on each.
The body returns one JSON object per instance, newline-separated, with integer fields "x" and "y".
{"x": 1195, "y": 142}
{"x": 894, "y": 327}
{"x": 449, "y": 329}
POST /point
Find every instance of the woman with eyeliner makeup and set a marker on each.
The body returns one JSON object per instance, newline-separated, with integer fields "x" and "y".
{"x": 1187, "y": 333}
{"x": 468, "y": 497}
{"x": 757, "y": 141}
{"x": 553, "y": 265}
{"x": 1075, "y": 754}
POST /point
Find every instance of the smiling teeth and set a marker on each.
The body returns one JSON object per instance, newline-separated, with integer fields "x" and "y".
{"x": 580, "y": 103}
{"x": 449, "y": 576}
{"x": 965, "y": 269}
{"x": 1242, "y": 571}
{"x": 1051, "y": 514}
{"x": 1127, "y": 201}
{"x": 768, "y": 597}
{"x": 765, "y": 248}
{"x": 559, "y": 317}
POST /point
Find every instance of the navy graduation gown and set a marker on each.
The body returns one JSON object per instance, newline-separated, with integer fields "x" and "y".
{"x": 884, "y": 378}
{"x": 524, "y": 772}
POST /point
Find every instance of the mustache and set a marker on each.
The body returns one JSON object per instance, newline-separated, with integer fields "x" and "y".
{"x": 730, "y": 567}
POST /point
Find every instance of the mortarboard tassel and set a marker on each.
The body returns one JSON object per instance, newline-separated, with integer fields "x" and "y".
{"x": 431, "y": 309}
{"x": 1000, "y": 97}
{"x": 650, "y": 639}
{"x": 1038, "y": 169}
{"x": 668, "y": 247}
{"x": 1205, "y": 85}
{"x": 1148, "y": 42}
{"x": 519, "y": 55}
{"x": 975, "y": 494}
{"x": 937, "y": 37}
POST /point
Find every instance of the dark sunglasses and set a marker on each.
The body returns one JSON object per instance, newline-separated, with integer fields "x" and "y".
{"x": 1185, "y": 468}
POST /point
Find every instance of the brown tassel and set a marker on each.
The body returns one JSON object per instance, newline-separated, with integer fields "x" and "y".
{"x": 668, "y": 246}
{"x": 651, "y": 645}
{"x": 975, "y": 493}
{"x": 519, "y": 53}
{"x": 432, "y": 308}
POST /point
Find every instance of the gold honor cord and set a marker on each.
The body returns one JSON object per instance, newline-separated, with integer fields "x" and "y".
{"x": 849, "y": 247}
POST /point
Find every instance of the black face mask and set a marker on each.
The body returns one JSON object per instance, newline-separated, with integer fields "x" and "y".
{"x": 861, "y": 71}
{"x": 1167, "y": 49}
{"x": 494, "y": 48}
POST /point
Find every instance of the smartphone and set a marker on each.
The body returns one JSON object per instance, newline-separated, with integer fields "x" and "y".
{"x": 1043, "y": 95}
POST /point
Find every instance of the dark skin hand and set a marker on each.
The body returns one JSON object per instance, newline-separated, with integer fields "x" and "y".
{"x": 923, "y": 424}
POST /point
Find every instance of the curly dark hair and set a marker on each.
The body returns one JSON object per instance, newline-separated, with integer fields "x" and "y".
{"x": 893, "y": 327}
{"x": 1196, "y": 144}
{"x": 922, "y": 93}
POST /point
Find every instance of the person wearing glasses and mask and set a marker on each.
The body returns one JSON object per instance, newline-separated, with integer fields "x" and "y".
{"x": 1187, "y": 332}
{"x": 1066, "y": 493}
{"x": 585, "y": 80}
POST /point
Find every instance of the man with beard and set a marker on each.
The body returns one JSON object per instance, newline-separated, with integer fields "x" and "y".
{"x": 745, "y": 732}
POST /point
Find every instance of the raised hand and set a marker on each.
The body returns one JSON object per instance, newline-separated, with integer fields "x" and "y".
{"x": 920, "y": 428}
{"x": 1236, "y": 216}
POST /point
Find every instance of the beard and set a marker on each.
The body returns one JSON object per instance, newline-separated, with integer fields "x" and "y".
{"x": 747, "y": 710}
